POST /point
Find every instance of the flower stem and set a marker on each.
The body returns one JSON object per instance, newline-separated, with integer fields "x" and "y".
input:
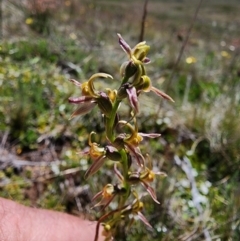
{"x": 110, "y": 121}
{"x": 111, "y": 136}
{"x": 126, "y": 184}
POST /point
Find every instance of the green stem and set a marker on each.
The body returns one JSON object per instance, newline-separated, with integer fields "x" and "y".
{"x": 124, "y": 80}
{"x": 124, "y": 163}
{"x": 110, "y": 121}
{"x": 111, "y": 136}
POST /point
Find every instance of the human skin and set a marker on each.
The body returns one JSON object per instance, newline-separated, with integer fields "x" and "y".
{"x": 20, "y": 223}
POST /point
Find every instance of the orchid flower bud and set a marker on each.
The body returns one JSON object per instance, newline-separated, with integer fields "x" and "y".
{"x": 104, "y": 104}
{"x": 128, "y": 69}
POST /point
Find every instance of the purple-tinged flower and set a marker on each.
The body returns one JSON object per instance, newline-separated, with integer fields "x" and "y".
{"x": 136, "y": 137}
{"x": 118, "y": 215}
{"x": 104, "y": 104}
{"x": 134, "y": 151}
{"x": 135, "y": 209}
{"x": 118, "y": 173}
{"x": 99, "y": 155}
{"x": 161, "y": 93}
{"x": 131, "y": 141}
{"x": 148, "y": 174}
{"x": 87, "y": 103}
{"x": 138, "y": 53}
{"x": 129, "y": 91}
{"x": 137, "y": 58}
{"x": 126, "y": 48}
{"x": 90, "y": 97}
{"x": 107, "y": 195}
{"x": 133, "y": 100}
{"x": 145, "y": 176}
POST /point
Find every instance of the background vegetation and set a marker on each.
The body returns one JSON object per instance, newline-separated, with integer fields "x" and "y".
{"x": 42, "y": 47}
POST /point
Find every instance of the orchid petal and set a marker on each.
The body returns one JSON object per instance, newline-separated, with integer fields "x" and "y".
{"x": 84, "y": 109}
{"x": 126, "y": 48}
{"x": 144, "y": 220}
{"x": 135, "y": 151}
{"x": 75, "y": 82}
{"x": 163, "y": 174}
{"x": 84, "y": 152}
{"x": 104, "y": 104}
{"x": 117, "y": 172}
{"x": 112, "y": 153}
{"x": 88, "y": 87}
{"x": 108, "y": 193}
{"x": 150, "y": 164}
{"x": 161, "y": 93}
{"x": 97, "y": 195}
{"x": 132, "y": 97}
{"x": 140, "y": 51}
{"x": 95, "y": 166}
{"x": 100, "y": 75}
{"x": 90, "y": 143}
{"x": 106, "y": 202}
{"x": 146, "y": 60}
{"x": 134, "y": 139}
{"x": 149, "y": 135}
{"x": 151, "y": 191}
{"x": 82, "y": 99}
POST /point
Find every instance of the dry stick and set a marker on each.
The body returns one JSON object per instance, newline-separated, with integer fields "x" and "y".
{"x": 181, "y": 51}
{"x": 1, "y": 21}
{"x": 4, "y": 139}
{"x": 144, "y": 16}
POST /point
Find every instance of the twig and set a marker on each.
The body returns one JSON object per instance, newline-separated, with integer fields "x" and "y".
{"x": 141, "y": 37}
{"x": 4, "y": 139}
{"x": 186, "y": 237}
{"x": 1, "y": 21}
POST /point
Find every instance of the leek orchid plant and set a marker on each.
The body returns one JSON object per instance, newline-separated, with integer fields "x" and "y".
{"x": 122, "y": 140}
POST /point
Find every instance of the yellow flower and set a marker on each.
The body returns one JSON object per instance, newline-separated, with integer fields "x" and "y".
{"x": 112, "y": 94}
{"x": 225, "y": 54}
{"x": 107, "y": 194}
{"x": 29, "y": 21}
{"x": 95, "y": 151}
{"x": 144, "y": 177}
{"x": 191, "y": 60}
{"x": 135, "y": 138}
{"x": 135, "y": 209}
